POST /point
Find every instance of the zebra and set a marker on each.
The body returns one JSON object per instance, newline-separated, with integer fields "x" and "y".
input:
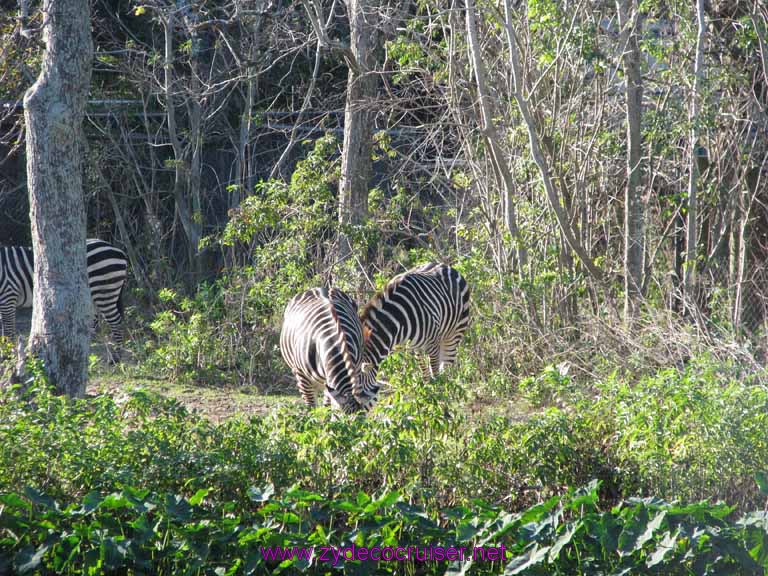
{"x": 107, "y": 273}
{"x": 427, "y": 307}
{"x": 322, "y": 341}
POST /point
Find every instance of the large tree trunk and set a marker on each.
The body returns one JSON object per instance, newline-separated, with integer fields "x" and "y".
{"x": 53, "y": 109}
{"x": 634, "y": 212}
{"x": 358, "y": 119}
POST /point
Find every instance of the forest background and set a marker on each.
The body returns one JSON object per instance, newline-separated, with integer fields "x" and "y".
{"x": 596, "y": 170}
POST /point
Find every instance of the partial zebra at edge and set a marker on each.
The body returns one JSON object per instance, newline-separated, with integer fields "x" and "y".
{"x": 107, "y": 269}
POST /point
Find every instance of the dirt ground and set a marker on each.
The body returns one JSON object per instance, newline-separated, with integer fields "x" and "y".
{"x": 216, "y": 404}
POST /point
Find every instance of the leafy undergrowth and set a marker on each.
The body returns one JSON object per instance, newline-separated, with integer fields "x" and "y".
{"x": 136, "y": 483}
{"x": 138, "y": 532}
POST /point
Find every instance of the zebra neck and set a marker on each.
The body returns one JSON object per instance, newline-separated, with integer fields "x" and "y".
{"x": 379, "y": 345}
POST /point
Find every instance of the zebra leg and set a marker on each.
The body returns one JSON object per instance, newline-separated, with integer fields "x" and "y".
{"x": 447, "y": 354}
{"x": 307, "y": 390}
{"x": 425, "y": 365}
{"x": 434, "y": 361}
{"x": 8, "y": 317}
{"x": 113, "y": 314}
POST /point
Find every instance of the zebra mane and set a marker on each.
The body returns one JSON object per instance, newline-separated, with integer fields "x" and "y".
{"x": 387, "y": 291}
{"x": 381, "y": 295}
{"x": 343, "y": 340}
{"x": 372, "y": 303}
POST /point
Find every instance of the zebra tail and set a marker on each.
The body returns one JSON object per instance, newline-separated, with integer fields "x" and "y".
{"x": 348, "y": 363}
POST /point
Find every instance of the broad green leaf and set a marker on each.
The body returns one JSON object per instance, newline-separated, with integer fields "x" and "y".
{"x": 13, "y": 500}
{"x": 635, "y": 524}
{"x": 199, "y": 496}
{"x": 29, "y": 559}
{"x": 564, "y": 539}
{"x": 177, "y": 507}
{"x": 40, "y": 499}
{"x": 663, "y": 549}
{"x": 534, "y": 556}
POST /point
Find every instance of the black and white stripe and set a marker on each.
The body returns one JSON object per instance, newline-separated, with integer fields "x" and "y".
{"x": 321, "y": 341}
{"x": 107, "y": 272}
{"x": 427, "y": 307}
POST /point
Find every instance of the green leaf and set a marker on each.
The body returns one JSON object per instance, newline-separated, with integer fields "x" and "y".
{"x": 116, "y": 501}
{"x": 40, "y": 499}
{"x": 762, "y": 482}
{"x": 651, "y": 529}
{"x": 664, "y": 547}
{"x": 28, "y": 559}
{"x": 177, "y": 507}
{"x": 13, "y": 500}
{"x": 564, "y": 539}
{"x": 534, "y": 556}
{"x": 635, "y": 524}
{"x": 199, "y": 496}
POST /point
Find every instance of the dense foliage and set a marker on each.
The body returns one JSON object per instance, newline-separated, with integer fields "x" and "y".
{"x": 139, "y": 482}
{"x": 586, "y": 439}
{"x": 143, "y": 532}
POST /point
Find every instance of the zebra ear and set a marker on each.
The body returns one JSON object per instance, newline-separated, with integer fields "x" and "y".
{"x": 367, "y": 333}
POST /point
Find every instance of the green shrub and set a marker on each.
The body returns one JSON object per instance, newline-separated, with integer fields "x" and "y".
{"x": 142, "y": 532}
{"x": 690, "y": 433}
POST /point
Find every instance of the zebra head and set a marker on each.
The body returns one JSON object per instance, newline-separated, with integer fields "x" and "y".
{"x": 368, "y": 388}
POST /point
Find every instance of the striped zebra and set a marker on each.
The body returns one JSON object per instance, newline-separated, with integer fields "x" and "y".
{"x": 322, "y": 341}
{"x": 426, "y": 307}
{"x": 107, "y": 272}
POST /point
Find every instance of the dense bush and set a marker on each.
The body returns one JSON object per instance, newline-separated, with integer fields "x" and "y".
{"x": 693, "y": 433}
{"x": 149, "y": 533}
{"x": 138, "y": 482}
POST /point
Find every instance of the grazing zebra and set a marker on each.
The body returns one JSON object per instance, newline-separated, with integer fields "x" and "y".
{"x": 107, "y": 272}
{"x": 428, "y": 307}
{"x": 322, "y": 341}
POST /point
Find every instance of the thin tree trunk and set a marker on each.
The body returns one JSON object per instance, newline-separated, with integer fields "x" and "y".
{"x": 53, "y": 108}
{"x": 358, "y": 121}
{"x": 183, "y": 179}
{"x": 689, "y": 275}
{"x": 489, "y": 130}
{"x": 741, "y": 242}
{"x": 758, "y": 20}
{"x": 553, "y": 196}
{"x": 634, "y": 211}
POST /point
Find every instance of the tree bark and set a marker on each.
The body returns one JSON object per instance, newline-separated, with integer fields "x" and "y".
{"x": 689, "y": 274}
{"x": 634, "y": 211}
{"x": 53, "y": 108}
{"x": 358, "y": 120}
